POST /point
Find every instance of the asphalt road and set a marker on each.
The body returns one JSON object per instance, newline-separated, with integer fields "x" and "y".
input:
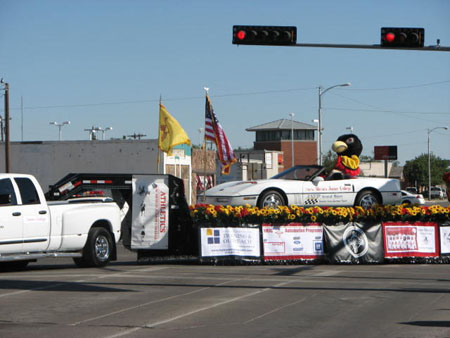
{"x": 53, "y": 298}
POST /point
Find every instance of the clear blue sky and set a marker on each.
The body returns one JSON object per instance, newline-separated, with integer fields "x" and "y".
{"x": 106, "y": 63}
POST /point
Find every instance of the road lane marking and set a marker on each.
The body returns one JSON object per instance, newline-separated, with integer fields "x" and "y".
{"x": 148, "y": 303}
{"x": 301, "y": 300}
{"x": 168, "y": 320}
{"x": 59, "y": 283}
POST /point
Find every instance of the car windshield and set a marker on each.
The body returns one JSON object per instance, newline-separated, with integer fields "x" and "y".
{"x": 300, "y": 172}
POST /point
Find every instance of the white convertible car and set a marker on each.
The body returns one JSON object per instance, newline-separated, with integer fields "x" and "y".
{"x": 304, "y": 186}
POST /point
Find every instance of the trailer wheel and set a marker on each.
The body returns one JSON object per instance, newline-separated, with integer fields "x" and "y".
{"x": 98, "y": 249}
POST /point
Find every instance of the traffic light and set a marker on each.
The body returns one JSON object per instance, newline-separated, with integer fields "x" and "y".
{"x": 265, "y": 35}
{"x": 402, "y": 37}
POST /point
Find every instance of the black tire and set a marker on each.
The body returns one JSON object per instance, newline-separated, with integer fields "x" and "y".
{"x": 98, "y": 249}
{"x": 367, "y": 199}
{"x": 271, "y": 199}
{"x": 407, "y": 202}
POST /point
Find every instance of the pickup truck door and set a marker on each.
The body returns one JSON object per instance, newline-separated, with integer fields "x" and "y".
{"x": 10, "y": 219}
{"x": 35, "y": 216}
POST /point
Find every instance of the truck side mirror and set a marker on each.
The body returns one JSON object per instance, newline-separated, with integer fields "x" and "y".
{"x": 5, "y": 199}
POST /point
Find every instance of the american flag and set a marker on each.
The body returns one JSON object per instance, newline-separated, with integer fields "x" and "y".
{"x": 215, "y": 133}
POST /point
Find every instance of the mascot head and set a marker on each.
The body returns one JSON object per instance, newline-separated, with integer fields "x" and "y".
{"x": 348, "y": 148}
{"x": 348, "y": 145}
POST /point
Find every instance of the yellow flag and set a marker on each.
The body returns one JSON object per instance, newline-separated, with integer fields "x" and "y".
{"x": 171, "y": 133}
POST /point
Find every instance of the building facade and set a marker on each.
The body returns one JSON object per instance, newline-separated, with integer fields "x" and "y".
{"x": 284, "y": 136}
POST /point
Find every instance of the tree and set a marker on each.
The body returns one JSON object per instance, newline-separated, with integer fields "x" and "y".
{"x": 416, "y": 171}
{"x": 329, "y": 160}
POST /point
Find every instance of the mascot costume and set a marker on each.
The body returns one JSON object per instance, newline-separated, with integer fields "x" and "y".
{"x": 348, "y": 148}
{"x": 446, "y": 179}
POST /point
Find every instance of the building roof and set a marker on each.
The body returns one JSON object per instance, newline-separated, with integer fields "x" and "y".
{"x": 283, "y": 124}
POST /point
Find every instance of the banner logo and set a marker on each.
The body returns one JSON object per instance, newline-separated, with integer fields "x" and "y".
{"x": 213, "y": 236}
{"x": 355, "y": 241}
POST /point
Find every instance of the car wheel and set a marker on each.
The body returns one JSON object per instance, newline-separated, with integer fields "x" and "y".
{"x": 97, "y": 250}
{"x": 407, "y": 202}
{"x": 271, "y": 199}
{"x": 367, "y": 199}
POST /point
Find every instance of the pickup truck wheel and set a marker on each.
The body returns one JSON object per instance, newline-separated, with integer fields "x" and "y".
{"x": 98, "y": 249}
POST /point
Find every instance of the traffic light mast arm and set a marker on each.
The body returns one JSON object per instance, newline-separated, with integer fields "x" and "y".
{"x": 436, "y": 48}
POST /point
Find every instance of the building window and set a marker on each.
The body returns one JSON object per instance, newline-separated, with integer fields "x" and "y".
{"x": 277, "y": 135}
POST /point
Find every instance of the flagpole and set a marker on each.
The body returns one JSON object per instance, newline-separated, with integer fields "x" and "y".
{"x": 159, "y": 131}
{"x": 204, "y": 151}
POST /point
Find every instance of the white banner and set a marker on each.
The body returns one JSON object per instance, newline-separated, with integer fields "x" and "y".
{"x": 230, "y": 242}
{"x": 292, "y": 242}
{"x": 150, "y": 213}
{"x": 445, "y": 239}
{"x": 403, "y": 240}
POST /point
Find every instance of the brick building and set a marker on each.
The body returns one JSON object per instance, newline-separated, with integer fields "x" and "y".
{"x": 277, "y": 135}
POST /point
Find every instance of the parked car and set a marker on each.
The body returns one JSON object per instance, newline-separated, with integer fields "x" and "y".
{"x": 436, "y": 192}
{"x": 304, "y": 185}
{"x": 412, "y": 190}
{"x": 412, "y": 199}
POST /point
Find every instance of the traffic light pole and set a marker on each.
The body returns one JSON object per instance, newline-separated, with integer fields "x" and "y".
{"x": 7, "y": 157}
{"x": 436, "y": 48}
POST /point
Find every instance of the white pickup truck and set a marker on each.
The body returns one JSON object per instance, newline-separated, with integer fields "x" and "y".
{"x": 31, "y": 228}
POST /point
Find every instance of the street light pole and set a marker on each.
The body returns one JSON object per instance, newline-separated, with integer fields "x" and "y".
{"x": 429, "y": 160}
{"x": 321, "y": 92}
{"x": 60, "y": 125}
{"x": 292, "y": 139}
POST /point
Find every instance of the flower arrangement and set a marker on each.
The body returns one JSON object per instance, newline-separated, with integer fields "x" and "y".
{"x": 219, "y": 215}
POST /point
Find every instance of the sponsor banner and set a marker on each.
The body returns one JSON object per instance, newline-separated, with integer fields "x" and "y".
{"x": 445, "y": 239}
{"x": 293, "y": 241}
{"x": 150, "y": 213}
{"x": 354, "y": 243}
{"x": 230, "y": 242}
{"x": 410, "y": 240}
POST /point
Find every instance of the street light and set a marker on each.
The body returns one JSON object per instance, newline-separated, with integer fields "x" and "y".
{"x": 292, "y": 138}
{"x": 321, "y": 92}
{"x": 60, "y": 125}
{"x": 317, "y": 153}
{"x": 103, "y": 131}
{"x": 429, "y": 160}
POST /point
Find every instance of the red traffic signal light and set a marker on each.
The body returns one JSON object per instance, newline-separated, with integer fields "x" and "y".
{"x": 402, "y": 37}
{"x": 265, "y": 35}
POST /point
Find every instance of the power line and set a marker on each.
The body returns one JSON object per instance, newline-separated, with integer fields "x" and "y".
{"x": 402, "y": 87}
{"x": 168, "y": 99}
{"x": 274, "y": 91}
{"x": 388, "y": 111}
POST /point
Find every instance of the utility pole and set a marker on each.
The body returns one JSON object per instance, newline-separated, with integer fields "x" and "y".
{"x": 7, "y": 157}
